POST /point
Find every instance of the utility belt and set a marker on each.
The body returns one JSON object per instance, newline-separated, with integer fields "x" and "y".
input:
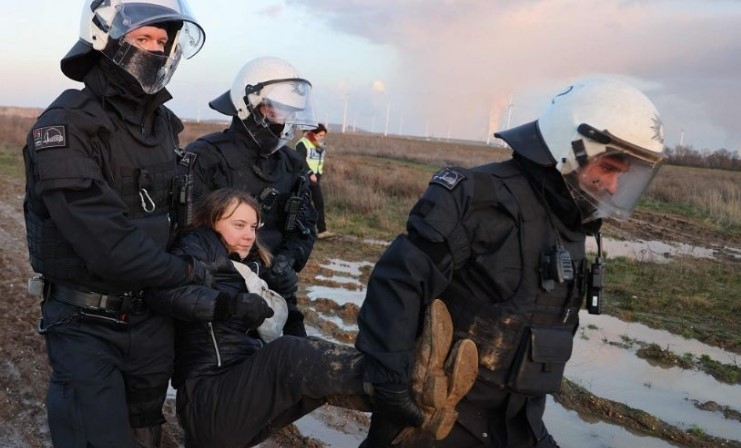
{"x": 111, "y": 309}
{"x": 123, "y": 303}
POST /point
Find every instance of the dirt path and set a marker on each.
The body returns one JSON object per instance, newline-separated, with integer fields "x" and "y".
{"x": 23, "y": 365}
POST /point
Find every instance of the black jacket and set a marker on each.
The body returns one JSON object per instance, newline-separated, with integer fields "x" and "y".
{"x": 475, "y": 239}
{"x": 232, "y": 159}
{"x": 203, "y": 346}
{"x": 95, "y": 159}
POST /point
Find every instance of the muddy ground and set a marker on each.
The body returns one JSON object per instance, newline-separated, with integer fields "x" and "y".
{"x": 24, "y": 370}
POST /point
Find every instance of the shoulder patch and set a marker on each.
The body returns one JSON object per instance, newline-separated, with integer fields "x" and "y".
{"x": 50, "y": 137}
{"x": 448, "y": 178}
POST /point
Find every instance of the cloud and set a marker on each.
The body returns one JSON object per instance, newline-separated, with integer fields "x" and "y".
{"x": 460, "y": 58}
{"x": 272, "y": 10}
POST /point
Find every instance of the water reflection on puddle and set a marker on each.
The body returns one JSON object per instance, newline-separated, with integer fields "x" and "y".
{"x": 653, "y": 251}
{"x": 610, "y": 372}
{"x": 618, "y": 374}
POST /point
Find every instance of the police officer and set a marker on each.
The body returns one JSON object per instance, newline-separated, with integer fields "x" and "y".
{"x": 312, "y": 148}
{"x": 268, "y": 101}
{"x": 99, "y": 165}
{"x": 503, "y": 245}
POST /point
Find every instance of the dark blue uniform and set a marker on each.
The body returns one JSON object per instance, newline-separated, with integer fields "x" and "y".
{"x": 99, "y": 165}
{"x": 483, "y": 240}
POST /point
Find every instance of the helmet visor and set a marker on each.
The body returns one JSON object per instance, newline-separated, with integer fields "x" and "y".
{"x": 188, "y": 40}
{"x": 284, "y": 106}
{"x": 610, "y": 184}
{"x": 288, "y": 102}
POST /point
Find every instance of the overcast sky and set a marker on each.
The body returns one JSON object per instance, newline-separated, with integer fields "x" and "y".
{"x": 432, "y": 67}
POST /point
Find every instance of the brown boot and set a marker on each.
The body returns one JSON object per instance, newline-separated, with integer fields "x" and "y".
{"x": 441, "y": 377}
{"x": 462, "y": 368}
{"x": 429, "y": 381}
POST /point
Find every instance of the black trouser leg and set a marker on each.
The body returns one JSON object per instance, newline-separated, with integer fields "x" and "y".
{"x": 318, "y": 199}
{"x": 283, "y": 381}
{"x": 148, "y": 377}
{"x": 381, "y": 433}
{"x": 95, "y": 370}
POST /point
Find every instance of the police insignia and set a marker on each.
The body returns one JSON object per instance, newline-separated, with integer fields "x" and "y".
{"x": 50, "y": 137}
{"x": 448, "y": 178}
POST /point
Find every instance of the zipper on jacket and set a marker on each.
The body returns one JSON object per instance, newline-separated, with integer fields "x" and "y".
{"x": 216, "y": 346}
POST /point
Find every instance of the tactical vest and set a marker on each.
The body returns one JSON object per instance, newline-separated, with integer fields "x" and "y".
{"x": 140, "y": 174}
{"x": 244, "y": 173}
{"x": 523, "y": 325}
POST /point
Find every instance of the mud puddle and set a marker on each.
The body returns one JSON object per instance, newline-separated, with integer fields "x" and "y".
{"x": 653, "y": 251}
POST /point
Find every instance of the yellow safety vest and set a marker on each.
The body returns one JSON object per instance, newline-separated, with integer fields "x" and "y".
{"x": 314, "y": 156}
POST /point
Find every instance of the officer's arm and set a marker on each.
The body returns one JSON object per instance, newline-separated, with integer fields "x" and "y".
{"x": 93, "y": 221}
{"x": 186, "y": 302}
{"x": 413, "y": 271}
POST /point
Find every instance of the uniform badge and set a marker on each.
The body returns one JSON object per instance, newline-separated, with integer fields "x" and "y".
{"x": 50, "y": 137}
{"x": 448, "y": 178}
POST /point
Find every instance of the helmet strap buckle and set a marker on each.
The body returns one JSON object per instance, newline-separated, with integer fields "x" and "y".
{"x": 580, "y": 152}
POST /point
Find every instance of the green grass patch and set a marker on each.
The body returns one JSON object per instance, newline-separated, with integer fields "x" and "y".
{"x": 697, "y": 298}
{"x": 677, "y": 208}
{"x": 411, "y": 164}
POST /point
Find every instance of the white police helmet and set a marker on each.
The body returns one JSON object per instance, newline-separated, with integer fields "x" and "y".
{"x": 105, "y": 23}
{"x": 272, "y": 101}
{"x": 606, "y": 139}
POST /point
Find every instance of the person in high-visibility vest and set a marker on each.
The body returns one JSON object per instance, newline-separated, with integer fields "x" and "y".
{"x": 312, "y": 148}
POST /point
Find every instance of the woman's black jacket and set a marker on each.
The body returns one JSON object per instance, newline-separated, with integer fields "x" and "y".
{"x": 203, "y": 346}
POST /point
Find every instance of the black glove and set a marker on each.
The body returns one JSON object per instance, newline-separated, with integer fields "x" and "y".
{"x": 250, "y": 308}
{"x": 203, "y": 273}
{"x": 393, "y": 402}
{"x": 281, "y": 277}
{"x": 393, "y": 410}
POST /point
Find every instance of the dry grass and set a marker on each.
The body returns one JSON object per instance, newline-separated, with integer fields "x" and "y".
{"x": 194, "y": 129}
{"x": 715, "y": 193}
